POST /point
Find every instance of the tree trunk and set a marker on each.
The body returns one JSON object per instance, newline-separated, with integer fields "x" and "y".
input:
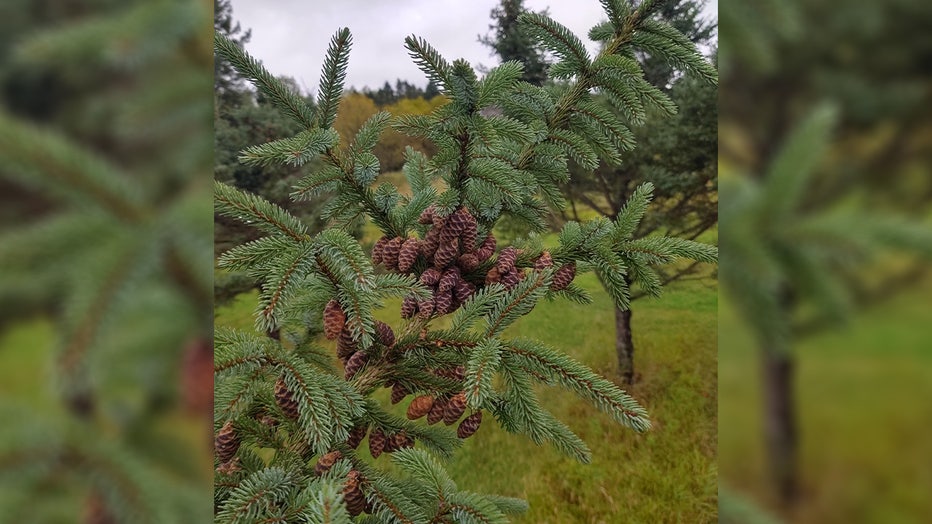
{"x": 624, "y": 345}
{"x": 780, "y": 431}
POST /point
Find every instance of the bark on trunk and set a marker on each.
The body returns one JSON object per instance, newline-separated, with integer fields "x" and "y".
{"x": 780, "y": 424}
{"x": 624, "y": 345}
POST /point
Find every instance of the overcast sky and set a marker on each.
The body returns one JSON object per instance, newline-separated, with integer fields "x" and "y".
{"x": 290, "y": 37}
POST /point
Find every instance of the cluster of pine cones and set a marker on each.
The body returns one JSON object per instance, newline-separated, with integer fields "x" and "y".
{"x": 348, "y": 351}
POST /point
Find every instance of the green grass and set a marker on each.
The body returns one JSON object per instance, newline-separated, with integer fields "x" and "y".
{"x": 864, "y": 416}
{"x": 666, "y": 475}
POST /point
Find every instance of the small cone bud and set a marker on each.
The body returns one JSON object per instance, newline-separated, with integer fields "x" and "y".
{"x": 378, "y": 249}
{"x": 390, "y": 253}
{"x": 469, "y": 425}
{"x": 431, "y": 276}
{"x": 399, "y": 392}
{"x": 326, "y": 461}
{"x": 454, "y": 408}
{"x": 384, "y": 334}
{"x": 334, "y": 319}
{"x": 563, "y": 277}
{"x": 407, "y": 255}
{"x": 355, "y": 436}
{"x": 449, "y": 279}
{"x": 420, "y": 406}
{"x": 352, "y": 494}
{"x": 435, "y": 414}
{"x": 356, "y": 362}
{"x": 285, "y": 399}
{"x": 226, "y": 443}
{"x": 543, "y": 261}
{"x": 376, "y": 442}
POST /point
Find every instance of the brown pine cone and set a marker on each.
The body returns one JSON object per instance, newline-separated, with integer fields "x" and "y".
{"x": 454, "y": 408}
{"x": 447, "y": 253}
{"x": 378, "y": 249}
{"x": 431, "y": 276}
{"x": 402, "y": 440}
{"x": 430, "y": 243}
{"x": 427, "y": 215}
{"x": 390, "y": 253}
{"x": 469, "y": 425}
{"x": 438, "y": 221}
{"x": 376, "y": 442}
{"x": 487, "y": 249}
{"x": 435, "y": 414}
{"x": 506, "y": 260}
{"x": 346, "y": 346}
{"x": 352, "y": 494}
{"x": 463, "y": 290}
{"x": 511, "y": 278}
{"x": 334, "y": 319}
{"x": 326, "y": 461}
{"x": 543, "y": 261}
{"x": 469, "y": 234}
{"x": 356, "y": 362}
{"x": 456, "y": 225}
{"x": 407, "y": 255}
{"x": 563, "y": 276}
{"x": 443, "y": 302}
{"x": 408, "y": 307}
{"x": 285, "y": 399}
{"x": 459, "y": 373}
{"x": 226, "y": 443}
{"x": 449, "y": 279}
{"x": 356, "y": 435}
{"x": 390, "y": 445}
{"x": 493, "y": 276}
{"x": 468, "y": 262}
{"x": 384, "y": 334}
{"x": 420, "y": 406}
{"x": 399, "y": 392}
{"x": 425, "y": 308}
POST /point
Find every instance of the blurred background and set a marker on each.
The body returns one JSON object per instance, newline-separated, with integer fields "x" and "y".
{"x": 105, "y": 261}
{"x": 825, "y": 353}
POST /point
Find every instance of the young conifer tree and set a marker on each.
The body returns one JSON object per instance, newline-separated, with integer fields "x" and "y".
{"x": 502, "y": 148}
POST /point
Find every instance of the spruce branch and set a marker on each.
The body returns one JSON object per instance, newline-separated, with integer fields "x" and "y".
{"x": 332, "y": 78}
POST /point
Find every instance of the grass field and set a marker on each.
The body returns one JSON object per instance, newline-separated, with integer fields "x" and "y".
{"x": 865, "y": 416}
{"x": 666, "y": 475}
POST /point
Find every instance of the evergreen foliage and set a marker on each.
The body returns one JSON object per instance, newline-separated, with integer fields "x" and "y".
{"x": 439, "y": 253}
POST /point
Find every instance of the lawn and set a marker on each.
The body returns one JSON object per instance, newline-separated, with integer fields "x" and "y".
{"x": 863, "y": 395}
{"x": 666, "y": 475}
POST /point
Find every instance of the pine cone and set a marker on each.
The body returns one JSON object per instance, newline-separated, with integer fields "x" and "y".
{"x": 492, "y": 276}
{"x": 408, "y": 307}
{"x": 431, "y": 276}
{"x": 390, "y": 253}
{"x": 352, "y": 494}
{"x": 469, "y": 234}
{"x": 390, "y": 444}
{"x": 425, "y": 308}
{"x": 399, "y": 392}
{"x": 325, "y": 462}
{"x": 334, "y": 319}
{"x": 430, "y": 243}
{"x": 346, "y": 346}
{"x": 376, "y": 442}
{"x": 468, "y": 262}
{"x": 226, "y": 443}
{"x": 543, "y": 261}
{"x": 447, "y": 253}
{"x": 563, "y": 277}
{"x": 511, "y": 278}
{"x": 506, "y": 260}
{"x": 454, "y": 408}
{"x": 420, "y": 406}
{"x": 459, "y": 373}
{"x": 463, "y": 290}
{"x": 435, "y": 414}
{"x": 356, "y": 362}
{"x": 285, "y": 399}
{"x": 449, "y": 279}
{"x": 427, "y": 215}
{"x": 439, "y": 221}
{"x": 487, "y": 249}
{"x": 469, "y": 425}
{"x": 384, "y": 333}
{"x": 456, "y": 224}
{"x": 402, "y": 440}
{"x": 378, "y": 249}
{"x": 356, "y": 435}
{"x": 443, "y": 302}
{"x": 407, "y": 255}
